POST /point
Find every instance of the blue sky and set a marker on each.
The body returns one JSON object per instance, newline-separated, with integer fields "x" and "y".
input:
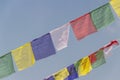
{"x": 24, "y": 20}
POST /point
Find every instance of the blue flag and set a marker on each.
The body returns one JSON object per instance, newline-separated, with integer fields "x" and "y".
{"x": 72, "y": 73}
{"x": 43, "y": 47}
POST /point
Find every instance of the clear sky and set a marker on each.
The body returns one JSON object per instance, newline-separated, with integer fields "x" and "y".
{"x": 24, "y": 20}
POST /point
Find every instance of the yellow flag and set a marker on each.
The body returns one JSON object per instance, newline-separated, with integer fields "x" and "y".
{"x": 62, "y": 74}
{"x": 116, "y": 6}
{"x": 23, "y": 56}
{"x": 83, "y": 66}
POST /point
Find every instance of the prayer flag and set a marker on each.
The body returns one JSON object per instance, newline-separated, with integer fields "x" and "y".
{"x": 6, "y": 65}
{"x": 43, "y": 47}
{"x": 23, "y": 56}
{"x": 72, "y": 72}
{"x": 102, "y": 16}
{"x": 60, "y": 36}
{"x": 116, "y": 6}
{"x": 100, "y": 59}
{"x": 108, "y": 47}
{"x": 83, "y": 66}
{"x": 62, "y": 74}
{"x": 92, "y": 57}
{"x": 83, "y": 26}
{"x": 107, "y": 51}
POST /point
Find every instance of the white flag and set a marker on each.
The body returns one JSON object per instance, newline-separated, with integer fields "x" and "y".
{"x": 108, "y": 47}
{"x": 107, "y": 51}
{"x": 60, "y": 36}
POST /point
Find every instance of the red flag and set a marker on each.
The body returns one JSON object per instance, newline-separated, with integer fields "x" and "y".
{"x": 92, "y": 57}
{"x": 83, "y": 26}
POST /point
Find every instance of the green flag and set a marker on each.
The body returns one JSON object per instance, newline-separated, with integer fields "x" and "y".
{"x": 102, "y": 16}
{"x": 6, "y": 65}
{"x": 100, "y": 59}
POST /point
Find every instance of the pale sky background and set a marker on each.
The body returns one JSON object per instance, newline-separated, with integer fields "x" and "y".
{"x": 24, "y": 20}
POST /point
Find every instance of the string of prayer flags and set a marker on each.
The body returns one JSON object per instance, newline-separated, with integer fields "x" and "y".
{"x": 102, "y": 16}
{"x": 83, "y": 66}
{"x": 23, "y": 56}
{"x": 116, "y": 6}
{"x": 60, "y": 36}
{"x": 62, "y": 74}
{"x": 97, "y": 59}
{"x": 57, "y": 39}
{"x": 72, "y": 72}
{"x": 43, "y": 47}
{"x": 83, "y": 26}
{"x": 6, "y": 65}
